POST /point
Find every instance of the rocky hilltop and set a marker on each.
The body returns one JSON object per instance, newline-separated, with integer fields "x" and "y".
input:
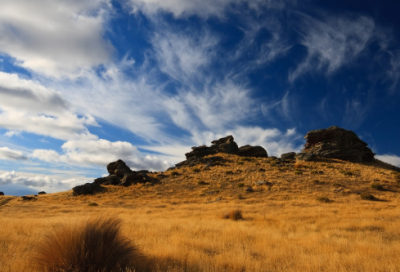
{"x": 333, "y": 143}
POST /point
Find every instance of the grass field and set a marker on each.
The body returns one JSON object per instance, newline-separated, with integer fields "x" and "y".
{"x": 309, "y": 216}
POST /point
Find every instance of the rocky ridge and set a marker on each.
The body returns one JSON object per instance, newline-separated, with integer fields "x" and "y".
{"x": 333, "y": 142}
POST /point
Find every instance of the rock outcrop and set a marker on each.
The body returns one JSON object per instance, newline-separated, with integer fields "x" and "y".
{"x": 252, "y": 151}
{"x": 288, "y": 156}
{"x": 121, "y": 174}
{"x": 42, "y": 193}
{"x": 337, "y": 143}
{"x": 224, "y": 145}
{"x": 88, "y": 189}
{"x": 1, "y": 193}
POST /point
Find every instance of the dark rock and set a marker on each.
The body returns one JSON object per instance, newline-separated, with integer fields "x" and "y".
{"x": 337, "y": 143}
{"x": 118, "y": 168}
{"x": 252, "y": 151}
{"x": 28, "y": 198}
{"x": 42, "y": 193}
{"x": 134, "y": 178}
{"x": 1, "y": 193}
{"x": 288, "y": 156}
{"x": 305, "y": 156}
{"x": 193, "y": 161}
{"x": 223, "y": 145}
{"x": 109, "y": 180}
{"x": 88, "y": 189}
{"x": 249, "y": 189}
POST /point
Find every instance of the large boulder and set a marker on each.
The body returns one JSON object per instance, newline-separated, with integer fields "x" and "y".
{"x": 88, "y": 189}
{"x": 337, "y": 143}
{"x": 252, "y": 151}
{"x": 109, "y": 180}
{"x": 223, "y": 145}
{"x": 288, "y": 156}
{"x": 118, "y": 168}
{"x": 134, "y": 178}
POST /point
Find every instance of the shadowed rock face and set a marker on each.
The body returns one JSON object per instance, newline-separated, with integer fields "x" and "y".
{"x": 88, "y": 189}
{"x": 118, "y": 168}
{"x": 252, "y": 151}
{"x": 223, "y": 145}
{"x": 337, "y": 143}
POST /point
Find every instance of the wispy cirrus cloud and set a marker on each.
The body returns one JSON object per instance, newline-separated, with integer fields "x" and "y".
{"x": 201, "y": 8}
{"x": 332, "y": 42}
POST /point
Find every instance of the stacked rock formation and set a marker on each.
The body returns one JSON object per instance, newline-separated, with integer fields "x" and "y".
{"x": 224, "y": 145}
{"x": 336, "y": 143}
{"x": 119, "y": 174}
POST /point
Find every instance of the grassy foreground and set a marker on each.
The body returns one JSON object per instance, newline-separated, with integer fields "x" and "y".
{"x": 310, "y": 216}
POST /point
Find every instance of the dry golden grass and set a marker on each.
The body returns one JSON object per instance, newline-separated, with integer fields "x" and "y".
{"x": 95, "y": 245}
{"x": 178, "y": 226}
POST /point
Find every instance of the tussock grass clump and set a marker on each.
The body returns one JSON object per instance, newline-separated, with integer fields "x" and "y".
{"x": 240, "y": 185}
{"x": 377, "y": 186}
{"x": 233, "y": 215}
{"x": 324, "y": 199}
{"x": 369, "y": 197}
{"x": 92, "y": 246}
{"x": 93, "y": 204}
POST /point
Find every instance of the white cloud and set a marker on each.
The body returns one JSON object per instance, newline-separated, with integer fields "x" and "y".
{"x": 26, "y": 105}
{"x": 333, "y": 42}
{"x": 202, "y": 8}
{"x": 392, "y": 159}
{"x": 101, "y": 152}
{"x": 10, "y": 154}
{"x": 53, "y": 183}
{"x": 394, "y": 71}
{"x": 57, "y": 37}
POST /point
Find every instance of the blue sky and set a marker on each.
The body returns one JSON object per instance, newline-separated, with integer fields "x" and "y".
{"x": 83, "y": 83}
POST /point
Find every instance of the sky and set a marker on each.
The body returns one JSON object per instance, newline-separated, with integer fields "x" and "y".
{"x": 86, "y": 82}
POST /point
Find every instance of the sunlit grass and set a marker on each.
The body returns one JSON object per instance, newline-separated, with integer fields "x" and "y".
{"x": 295, "y": 223}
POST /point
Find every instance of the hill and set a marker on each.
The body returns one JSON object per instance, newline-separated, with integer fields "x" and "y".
{"x": 320, "y": 215}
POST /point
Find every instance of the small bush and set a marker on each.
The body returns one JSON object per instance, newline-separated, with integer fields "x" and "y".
{"x": 330, "y": 167}
{"x": 95, "y": 245}
{"x": 247, "y": 159}
{"x": 316, "y": 181}
{"x": 240, "y": 185}
{"x": 377, "y": 186}
{"x": 93, "y": 204}
{"x": 324, "y": 199}
{"x": 229, "y": 172}
{"x": 366, "y": 196}
{"x": 240, "y": 163}
{"x": 174, "y": 173}
{"x": 298, "y": 172}
{"x": 203, "y": 183}
{"x": 196, "y": 170}
{"x": 241, "y": 197}
{"x": 233, "y": 215}
{"x": 347, "y": 173}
